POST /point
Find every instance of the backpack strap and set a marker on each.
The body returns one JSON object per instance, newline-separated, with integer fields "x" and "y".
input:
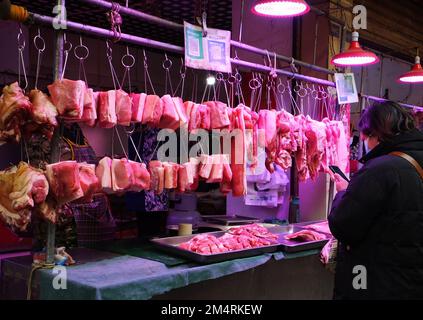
{"x": 410, "y": 159}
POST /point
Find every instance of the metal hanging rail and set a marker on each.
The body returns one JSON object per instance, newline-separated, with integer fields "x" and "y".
{"x": 377, "y": 99}
{"x": 166, "y": 23}
{"x": 95, "y": 31}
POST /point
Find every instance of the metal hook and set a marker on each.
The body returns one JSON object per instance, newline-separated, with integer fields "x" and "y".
{"x": 84, "y": 51}
{"x": 183, "y": 69}
{"x": 130, "y": 59}
{"x": 41, "y": 40}
{"x": 167, "y": 63}
{"x": 21, "y": 45}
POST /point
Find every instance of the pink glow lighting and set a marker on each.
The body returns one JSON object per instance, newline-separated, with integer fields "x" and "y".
{"x": 280, "y": 8}
{"x": 415, "y": 75}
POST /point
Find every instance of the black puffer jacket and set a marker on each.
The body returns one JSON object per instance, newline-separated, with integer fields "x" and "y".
{"x": 379, "y": 222}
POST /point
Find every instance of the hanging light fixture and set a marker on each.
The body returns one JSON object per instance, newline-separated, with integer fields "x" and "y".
{"x": 416, "y": 73}
{"x": 280, "y": 8}
{"x": 355, "y": 55}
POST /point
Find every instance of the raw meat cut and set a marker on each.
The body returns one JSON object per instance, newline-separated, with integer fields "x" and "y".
{"x": 238, "y": 153}
{"x": 138, "y": 103}
{"x": 216, "y": 174}
{"x": 68, "y": 96}
{"x": 64, "y": 181}
{"x": 43, "y": 111}
{"x": 195, "y": 118}
{"x": 141, "y": 177}
{"x": 305, "y": 236}
{"x": 107, "y": 109}
{"x": 219, "y": 117}
{"x": 103, "y": 172}
{"x": 153, "y": 110}
{"x": 322, "y": 227}
{"x": 180, "y": 110}
{"x": 182, "y": 179}
{"x": 206, "y": 165}
{"x": 170, "y": 175}
{"x": 90, "y": 184}
{"x": 123, "y": 108}
{"x": 89, "y": 115}
{"x": 10, "y": 216}
{"x": 170, "y": 118}
{"x": 30, "y": 187}
{"x": 157, "y": 178}
{"x": 15, "y": 109}
{"x": 239, "y": 238}
{"x": 122, "y": 176}
{"x": 205, "y": 117}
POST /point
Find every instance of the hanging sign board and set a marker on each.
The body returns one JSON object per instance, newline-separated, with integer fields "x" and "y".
{"x": 346, "y": 88}
{"x": 207, "y": 53}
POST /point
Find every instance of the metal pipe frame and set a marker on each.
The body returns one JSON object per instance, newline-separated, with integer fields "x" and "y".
{"x": 239, "y": 45}
{"x": 377, "y": 99}
{"x": 95, "y": 31}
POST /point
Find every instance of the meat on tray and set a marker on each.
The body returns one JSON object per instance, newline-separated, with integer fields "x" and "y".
{"x": 322, "y": 227}
{"x": 306, "y": 236}
{"x": 239, "y": 238}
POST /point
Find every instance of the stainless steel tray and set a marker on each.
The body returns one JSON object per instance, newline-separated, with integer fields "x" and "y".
{"x": 171, "y": 244}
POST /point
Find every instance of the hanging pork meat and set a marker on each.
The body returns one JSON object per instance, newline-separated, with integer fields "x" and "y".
{"x": 107, "y": 109}
{"x": 64, "y": 180}
{"x": 141, "y": 177}
{"x": 123, "y": 108}
{"x": 122, "y": 176}
{"x": 90, "y": 184}
{"x": 153, "y": 110}
{"x": 89, "y": 115}
{"x": 15, "y": 110}
{"x": 21, "y": 189}
{"x": 219, "y": 117}
{"x": 103, "y": 172}
{"x": 68, "y": 96}
{"x": 137, "y": 103}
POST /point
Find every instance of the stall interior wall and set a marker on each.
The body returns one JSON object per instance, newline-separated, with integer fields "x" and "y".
{"x": 97, "y": 71}
{"x": 381, "y": 81}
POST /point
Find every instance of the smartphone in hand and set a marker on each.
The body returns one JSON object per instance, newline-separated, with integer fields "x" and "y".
{"x": 336, "y": 170}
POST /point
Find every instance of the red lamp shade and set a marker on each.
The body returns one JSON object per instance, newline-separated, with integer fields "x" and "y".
{"x": 415, "y": 75}
{"x": 280, "y": 8}
{"x": 355, "y": 55}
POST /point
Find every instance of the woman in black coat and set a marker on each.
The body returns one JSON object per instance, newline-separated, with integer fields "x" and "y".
{"x": 378, "y": 219}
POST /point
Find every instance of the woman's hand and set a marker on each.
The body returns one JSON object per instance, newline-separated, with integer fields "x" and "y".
{"x": 341, "y": 184}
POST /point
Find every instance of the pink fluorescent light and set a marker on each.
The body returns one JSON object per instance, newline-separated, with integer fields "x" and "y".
{"x": 280, "y": 8}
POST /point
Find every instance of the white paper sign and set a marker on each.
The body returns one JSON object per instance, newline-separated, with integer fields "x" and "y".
{"x": 207, "y": 53}
{"x": 346, "y": 88}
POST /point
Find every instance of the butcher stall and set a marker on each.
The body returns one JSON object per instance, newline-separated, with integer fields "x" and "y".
{"x": 148, "y": 157}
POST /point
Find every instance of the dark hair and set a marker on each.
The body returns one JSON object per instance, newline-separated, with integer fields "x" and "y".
{"x": 386, "y": 120}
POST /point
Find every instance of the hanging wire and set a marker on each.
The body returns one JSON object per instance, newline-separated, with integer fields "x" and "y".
{"x": 128, "y": 61}
{"x": 182, "y": 74}
{"x": 81, "y": 53}
{"x": 147, "y": 74}
{"x": 167, "y": 65}
{"x": 67, "y": 47}
{"x": 109, "y": 54}
{"x": 40, "y": 45}
{"x": 21, "y": 61}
